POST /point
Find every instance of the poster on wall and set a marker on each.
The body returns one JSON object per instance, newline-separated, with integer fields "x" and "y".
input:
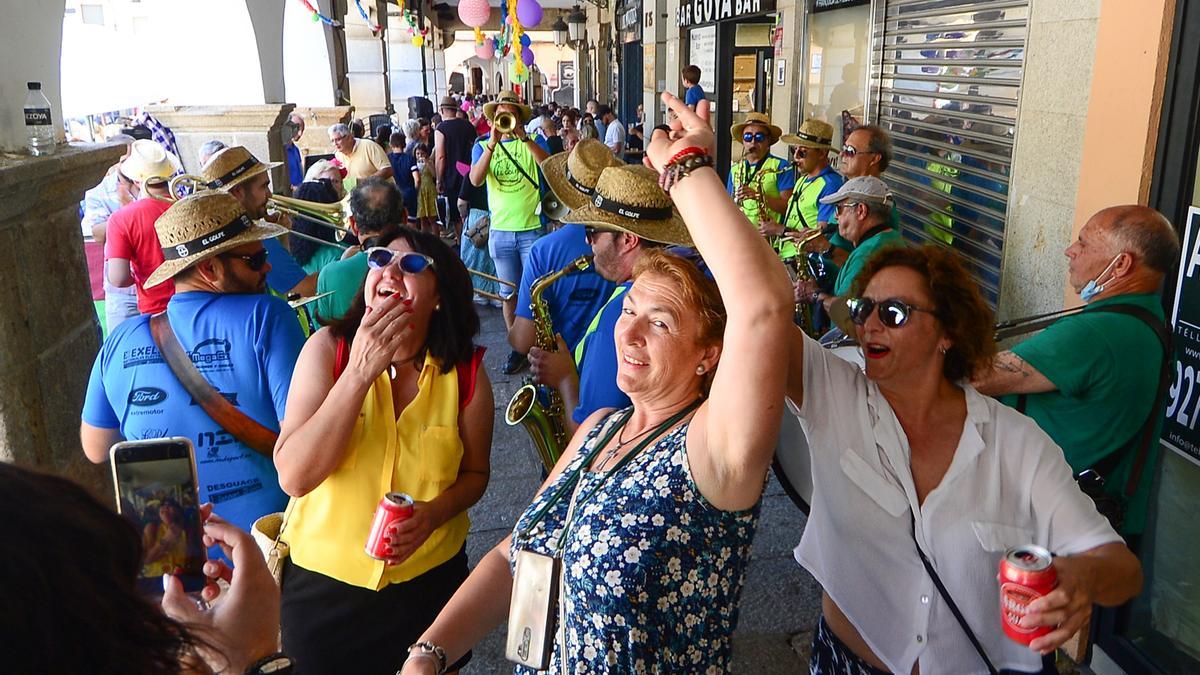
{"x": 1183, "y": 398}
{"x": 702, "y": 53}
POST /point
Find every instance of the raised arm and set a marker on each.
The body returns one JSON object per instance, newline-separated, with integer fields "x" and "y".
{"x": 742, "y": 416}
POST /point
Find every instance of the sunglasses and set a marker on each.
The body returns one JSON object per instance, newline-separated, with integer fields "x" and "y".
{"x": 800, "y": 151}
{"x": 852, "y": 152}
{"x": 841, "y": 206}
{"x": 892, "y": 313}
{"x": 379, "y": 257}
{"x": 757, "y": 136}
{"x": 255, "y": 261}
{"x": 590, "y": 233}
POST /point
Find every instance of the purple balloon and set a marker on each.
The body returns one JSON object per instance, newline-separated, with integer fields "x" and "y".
{"x": 529, "y": 13}
{"x": 527, "y": 56}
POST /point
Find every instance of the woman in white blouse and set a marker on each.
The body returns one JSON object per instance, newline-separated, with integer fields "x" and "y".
{"x": 907, "y": 453}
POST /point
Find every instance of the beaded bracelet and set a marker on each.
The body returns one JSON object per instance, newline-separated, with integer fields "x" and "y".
{"x": 690, "y": 150}
{"x": 677, "y": 169}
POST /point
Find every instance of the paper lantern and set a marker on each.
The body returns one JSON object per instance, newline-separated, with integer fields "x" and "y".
{"x": 527, "y": 56}
{"x": 517, "y": 76}
{"x": 486, "y": 50}
{"x": 474, "y": 13}
{"x": 418, "y": 40}
{"x": 529, "y": 13}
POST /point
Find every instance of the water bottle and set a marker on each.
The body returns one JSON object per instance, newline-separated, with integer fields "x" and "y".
{"x": 39, "y": 128}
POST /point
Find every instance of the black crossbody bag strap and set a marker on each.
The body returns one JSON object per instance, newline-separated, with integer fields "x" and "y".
{"x": 534, "y": 183}
{"x": 937, "y": 581}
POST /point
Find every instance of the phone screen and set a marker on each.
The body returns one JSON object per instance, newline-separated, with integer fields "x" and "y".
{"x": 156, "y": 491}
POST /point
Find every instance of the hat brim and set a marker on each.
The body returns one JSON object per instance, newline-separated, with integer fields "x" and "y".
{"x": 737, "y": 129}
{"x": 671, "y": 231}
{"x": 792, "y": 139}
{"x": 258, "y": 232}
{"x": 489, "y": 110}
{"x": 554, "y": 170}
{"x": 260, "y": 168}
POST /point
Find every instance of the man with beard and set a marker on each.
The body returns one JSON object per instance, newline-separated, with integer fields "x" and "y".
{"x": 243, "y": 342}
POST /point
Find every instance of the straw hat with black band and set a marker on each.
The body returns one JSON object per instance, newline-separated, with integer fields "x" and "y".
{"x": 756, "y": 119}
{"x": 232, "y": 167}
{"x": 812, "y": 134}
{"x": 201, "y": 226}
{"x": 149, "y": 162}
{"x": 627, "y": 198}
{"x": 572, "y": 175}
{"x": 507, "y": 98}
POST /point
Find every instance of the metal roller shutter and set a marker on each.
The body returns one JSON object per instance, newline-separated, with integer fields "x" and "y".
{"x": 946, "y": 84}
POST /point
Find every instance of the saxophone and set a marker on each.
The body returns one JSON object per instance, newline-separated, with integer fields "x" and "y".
{"x": 539, "y": 408}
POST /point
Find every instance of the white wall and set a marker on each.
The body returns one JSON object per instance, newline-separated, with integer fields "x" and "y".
{"x": 29, "y": 51}
{"x": 308, "y": 57}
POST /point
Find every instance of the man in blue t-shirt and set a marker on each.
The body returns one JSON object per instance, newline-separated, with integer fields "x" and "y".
{"x": 243, "y": 342}
{"x": 572, "y": 300}
{"x": 693, "y": 92}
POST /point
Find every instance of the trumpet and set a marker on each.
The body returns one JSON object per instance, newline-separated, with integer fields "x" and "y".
{"x": 505, "y": 122}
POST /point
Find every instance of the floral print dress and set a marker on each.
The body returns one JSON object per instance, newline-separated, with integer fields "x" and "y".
{"x": 652, "y": 571}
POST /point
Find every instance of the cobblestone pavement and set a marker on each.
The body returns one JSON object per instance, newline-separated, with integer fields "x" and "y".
{"x": 780, "y": 602}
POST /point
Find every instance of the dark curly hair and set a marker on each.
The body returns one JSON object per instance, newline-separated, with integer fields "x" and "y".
{"x": 453, "y": 328}
{"x": 965, "y": 317}
{"x": 302, "y": 249}
{"x": 70, "y": 602}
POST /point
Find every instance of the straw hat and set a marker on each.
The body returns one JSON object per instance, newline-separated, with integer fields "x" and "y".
{"x": 756, "y": 118}
{"x": 507, "y": 98}
{"x": 627, "y": 198}
{"x": 813, "y": 134}
{"x": 148, "y": 159}
{"x": 200, "y": 226}
{"x": 232, "y": 167}
{"x": 572, "y": 176}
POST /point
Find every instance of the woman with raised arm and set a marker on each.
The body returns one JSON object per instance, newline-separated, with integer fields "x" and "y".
{"x": 391, "y": 398}
{"x": 909, "y": 460}
{"x": 650, "y": 512}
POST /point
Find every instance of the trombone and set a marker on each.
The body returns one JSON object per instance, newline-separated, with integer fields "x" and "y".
{"x": 496, "y": 279}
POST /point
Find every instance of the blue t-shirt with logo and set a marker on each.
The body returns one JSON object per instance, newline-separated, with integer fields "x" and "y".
{"x": 575, "y": 298}
{"x": 246, "y": 347}
{"x": 598, "y": 367}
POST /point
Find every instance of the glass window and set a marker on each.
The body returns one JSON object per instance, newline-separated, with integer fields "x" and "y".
{"x": 837, "y": 65}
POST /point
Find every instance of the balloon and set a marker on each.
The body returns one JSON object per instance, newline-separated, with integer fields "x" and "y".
{"x": 474, "y": 13}
{"x": 517, "y": 76}
{"x": 527, "y": 56}
{"x": 418, "y": 40}
{"x": 486, "y": 50}
{"x": 529, "y": 12}
{"x": 526, "y": 40}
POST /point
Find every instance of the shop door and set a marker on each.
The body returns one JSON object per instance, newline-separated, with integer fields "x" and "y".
{"x": 751, "y": 87}
{"x": 631, "y": 83}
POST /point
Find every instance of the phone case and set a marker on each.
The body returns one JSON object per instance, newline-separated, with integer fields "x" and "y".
{"x": 531, "y": 612}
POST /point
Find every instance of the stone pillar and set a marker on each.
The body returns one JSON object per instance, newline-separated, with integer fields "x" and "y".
{"x": 317, "y": 121}
{"x": 258, "y": 127}
{"x": 366, "y": 66}
{"x": 49, "y": 335}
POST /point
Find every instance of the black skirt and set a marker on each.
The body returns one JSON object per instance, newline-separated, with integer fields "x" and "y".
{"x": 333, "y": 627}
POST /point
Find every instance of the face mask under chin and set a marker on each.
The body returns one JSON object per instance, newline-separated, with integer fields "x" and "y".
{"x": 1092, "y": 288}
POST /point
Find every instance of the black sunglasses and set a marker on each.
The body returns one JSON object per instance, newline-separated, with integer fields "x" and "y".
{"x": 379, "y": 257}
{"x": 255, "y": 261}
{"x": 893, "y": 313}
{"x": 590, "y": 233}
{"x": 756, "y": 136}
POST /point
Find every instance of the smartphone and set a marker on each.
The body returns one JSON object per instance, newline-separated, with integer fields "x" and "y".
{"x": 156, "y": 489}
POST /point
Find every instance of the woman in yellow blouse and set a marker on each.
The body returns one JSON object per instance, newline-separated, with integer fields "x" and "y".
{"x": 390, "y": 399}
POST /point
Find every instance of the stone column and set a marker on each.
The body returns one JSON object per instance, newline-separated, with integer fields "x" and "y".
{"x": 365, "y": 60}
{"x": 257, "y": 127}
{"x": 317, "y": 121}
{"x": 49, "y": 335}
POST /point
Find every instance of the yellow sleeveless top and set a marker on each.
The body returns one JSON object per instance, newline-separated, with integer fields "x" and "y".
{"x": 418, "y": 454}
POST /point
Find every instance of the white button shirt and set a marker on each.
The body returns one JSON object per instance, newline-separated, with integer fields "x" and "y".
{"x": 1007, "y": 485}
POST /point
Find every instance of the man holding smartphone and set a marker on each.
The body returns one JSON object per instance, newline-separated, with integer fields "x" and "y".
{"x": 241, "y": 341}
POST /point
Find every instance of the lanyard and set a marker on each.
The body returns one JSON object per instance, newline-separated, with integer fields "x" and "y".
{"x": 796, "y": 196}
{"x": 580, "y": 346}
{"x": 573, "y": 481}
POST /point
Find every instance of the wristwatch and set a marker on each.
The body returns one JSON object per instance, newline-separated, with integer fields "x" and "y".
{"x": 275, "y": 664}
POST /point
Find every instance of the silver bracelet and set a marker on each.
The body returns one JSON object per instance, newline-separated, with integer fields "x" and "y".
{"x": 430, "y": 651}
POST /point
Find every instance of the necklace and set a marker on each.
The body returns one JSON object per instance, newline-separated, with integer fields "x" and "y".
{"x": 392, "y": 366}
{"x": 621, "y": 443}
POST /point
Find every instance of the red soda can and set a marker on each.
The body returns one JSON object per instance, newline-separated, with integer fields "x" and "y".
{"x": 393, "y": 508}
{"x": 1026, "y": 574}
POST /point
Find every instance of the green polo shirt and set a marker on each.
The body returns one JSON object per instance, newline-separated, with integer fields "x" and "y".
{"x": 345, "y": 278}
{"x": 859, "y": 257}
{"x": 1105, "y": 367}
{"x": 845, "y": 244}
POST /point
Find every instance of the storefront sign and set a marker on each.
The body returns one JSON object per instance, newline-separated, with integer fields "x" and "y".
{"x": 826, "y": 5}
{"x": 1183, "y": 398}
{"x": 693, "y": 12}
{"x": 566, "y": 73}
{"x": 702, "y": 53}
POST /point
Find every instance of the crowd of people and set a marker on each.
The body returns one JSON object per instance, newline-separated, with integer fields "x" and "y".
{"x": 675, "y": 348}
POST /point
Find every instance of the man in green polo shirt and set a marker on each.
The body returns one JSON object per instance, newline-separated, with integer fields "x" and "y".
{"x": 1091, "y": 378}
{"x": 376, "y": 207}
{"x": 864, "y": 206}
